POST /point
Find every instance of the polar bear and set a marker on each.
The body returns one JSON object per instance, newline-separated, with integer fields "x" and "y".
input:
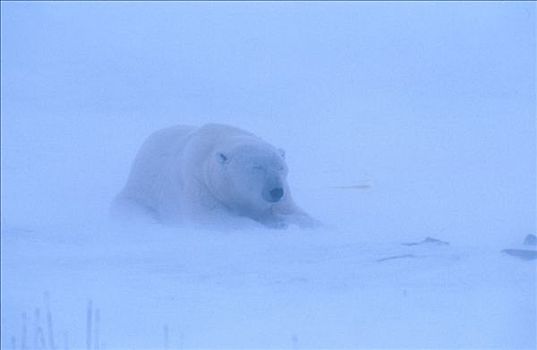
{"x": 206, "y": 174}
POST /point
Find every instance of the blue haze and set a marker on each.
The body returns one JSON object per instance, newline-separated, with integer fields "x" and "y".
{"x": 431, "y": 105}
{"x": 435, "y": 102}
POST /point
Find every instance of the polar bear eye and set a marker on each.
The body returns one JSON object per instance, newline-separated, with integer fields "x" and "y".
{"x": 222, "y": 157}
{"x": 257, "y": 167}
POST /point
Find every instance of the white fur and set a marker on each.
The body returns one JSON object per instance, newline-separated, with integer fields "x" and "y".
{"x": 206, "y": 175}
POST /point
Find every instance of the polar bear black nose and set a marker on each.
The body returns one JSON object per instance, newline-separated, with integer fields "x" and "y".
{"x": 276, "y": 194}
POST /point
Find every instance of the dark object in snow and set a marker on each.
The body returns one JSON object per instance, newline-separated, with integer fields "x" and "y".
{"x": 397, "y": 257}
{"x": 530, "y": 240}
{"x": 428, "y": 240}
{"x": 524, "y": 254}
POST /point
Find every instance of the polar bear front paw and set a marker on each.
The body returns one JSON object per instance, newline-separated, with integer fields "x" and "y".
{"x": 304, "y": 221}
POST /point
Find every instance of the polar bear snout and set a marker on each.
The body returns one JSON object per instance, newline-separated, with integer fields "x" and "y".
{"x": 273, "y": 195}
{"x": 276, "y": 194}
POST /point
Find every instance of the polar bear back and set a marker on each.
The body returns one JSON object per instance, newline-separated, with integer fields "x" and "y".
{"x": 153, "y": 161}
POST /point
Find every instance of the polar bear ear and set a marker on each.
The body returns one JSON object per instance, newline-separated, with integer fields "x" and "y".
{"x": 281, "y": 152}
{"x": 222, "y": 158}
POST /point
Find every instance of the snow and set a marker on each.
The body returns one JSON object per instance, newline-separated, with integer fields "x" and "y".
{"x": 400, "y": 121}
{"x": 259, "y": 289}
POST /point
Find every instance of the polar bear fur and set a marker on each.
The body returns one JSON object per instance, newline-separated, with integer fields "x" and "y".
{"x": 206, "y": 174}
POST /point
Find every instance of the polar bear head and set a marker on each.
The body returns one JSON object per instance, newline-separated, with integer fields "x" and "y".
{"x": 248, "y": 178}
